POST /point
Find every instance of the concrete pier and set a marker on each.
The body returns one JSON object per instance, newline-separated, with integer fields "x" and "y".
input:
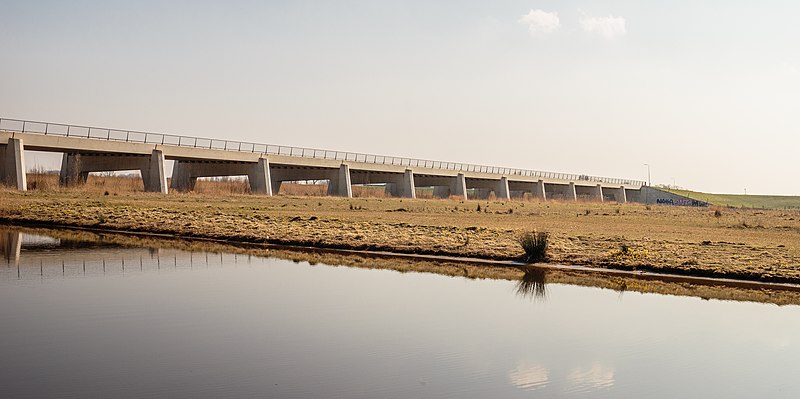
{"x": 460, "y": 188}
{"x": 619, "y": 195}
{"x": 403, "y": 187}
{"x": 340, "y": 184}
{"x": 539, "y": 191}
{"x": 569, "y": 192}
{"x": 12, "y": 164}
{"x": 502, "y": 192}
{"x": 598, "y": 193}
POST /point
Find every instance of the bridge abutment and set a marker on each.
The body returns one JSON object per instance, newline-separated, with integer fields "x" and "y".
{"x": 12, "y": 164}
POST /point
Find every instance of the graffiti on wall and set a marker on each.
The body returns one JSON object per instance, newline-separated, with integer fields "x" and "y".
{"x": 680, "y": 202}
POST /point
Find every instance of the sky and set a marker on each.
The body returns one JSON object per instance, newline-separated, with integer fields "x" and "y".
{"x": 706, "y": 93}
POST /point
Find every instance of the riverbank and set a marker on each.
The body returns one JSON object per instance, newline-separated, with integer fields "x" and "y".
{"x": 752, "y": 245}
{"x": 532, "y": 280}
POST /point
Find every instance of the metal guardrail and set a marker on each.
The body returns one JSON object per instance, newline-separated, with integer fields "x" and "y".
{"x": 133, "y": 136}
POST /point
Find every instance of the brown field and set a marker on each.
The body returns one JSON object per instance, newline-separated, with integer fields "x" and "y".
{"x": 762, "y": 245}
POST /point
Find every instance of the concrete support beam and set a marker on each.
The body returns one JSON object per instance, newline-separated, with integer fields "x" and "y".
{"x": 569, "y": 192}
{"x": 400, "y": 185}
{"x": 403, "y": 186}
{"x": 70, "y": 170}
{"x": 620, "y": 196}
{"x": 538, "y": 191}
{"x": 460, "y": 187}
{"x": 155, "y": 176}
{"x": 182, "y": 179}
{"x": 502, "y": 192}
{"x": 598, "y": 193}
{"x": 276, "y": 186}
{"x": 12, "y": 164}
{"x": 409, "y": 189}
{"x": 340, "y": 183}
{"x": 259, "y": 177}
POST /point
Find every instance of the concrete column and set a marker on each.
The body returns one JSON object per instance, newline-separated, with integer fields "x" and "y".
{"x": 403, "y": 186}
{"x": 570, "y": 194}
{"x": 182, "y": 179}
{"x": 538, "y": 191}
{"x": 276, "y": 186}
{"x": 408, "y": 188}
{"x": 621, "y": 197}
{"x": 259, "y": 178}
{"x": 155, "y": 179}
{"x": 340, "y": 183}
{"x": 598, "y": 193}
{"x": 72, "y": 170}
{"x": 502, "y": 192}
{"x": 12, "y": 164}
{"x": 460, "y": 187}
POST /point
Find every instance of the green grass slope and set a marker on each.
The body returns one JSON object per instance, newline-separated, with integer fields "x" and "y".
{"x": 743, "y": 201}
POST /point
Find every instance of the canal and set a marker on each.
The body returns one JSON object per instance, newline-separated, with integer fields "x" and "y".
{"x": 95, "y": 318}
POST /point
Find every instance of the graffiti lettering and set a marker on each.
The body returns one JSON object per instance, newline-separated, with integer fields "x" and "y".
{"x": 680, "y": 202}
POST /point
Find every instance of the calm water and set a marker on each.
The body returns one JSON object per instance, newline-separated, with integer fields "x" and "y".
{"x": 88, "y": 320}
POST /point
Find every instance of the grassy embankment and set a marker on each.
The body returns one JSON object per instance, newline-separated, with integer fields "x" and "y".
{"x": 532, "y": 281}
{"x": 734, "y": 243}
{"x": 743, "y": 201}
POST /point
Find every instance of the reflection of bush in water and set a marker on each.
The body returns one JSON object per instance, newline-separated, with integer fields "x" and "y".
{"x": 533, "y": 283}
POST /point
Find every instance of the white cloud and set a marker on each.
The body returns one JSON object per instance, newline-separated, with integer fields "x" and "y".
{"x": 609, "y": 26}
{"x": 541, "y": 22}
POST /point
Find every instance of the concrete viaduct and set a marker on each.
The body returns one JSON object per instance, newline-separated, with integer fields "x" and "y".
{"x": 89, "y": 149}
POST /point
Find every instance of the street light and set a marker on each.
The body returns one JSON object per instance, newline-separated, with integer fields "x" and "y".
{"x": 648, "y": 173}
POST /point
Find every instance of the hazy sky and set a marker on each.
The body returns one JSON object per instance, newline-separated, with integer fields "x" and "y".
{"x": 707, "y": 93}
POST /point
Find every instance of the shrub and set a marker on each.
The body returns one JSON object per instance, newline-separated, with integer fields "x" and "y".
{"x": 534, "y": 243}
{"x": 717, "y": 213}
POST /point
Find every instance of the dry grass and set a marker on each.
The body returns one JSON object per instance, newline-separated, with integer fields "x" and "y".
{"x": 532, "y": 281}
{"x": 739, "y": 243}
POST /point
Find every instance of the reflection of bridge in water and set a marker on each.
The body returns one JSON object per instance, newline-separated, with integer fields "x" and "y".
{"x": 30, "y": 256}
